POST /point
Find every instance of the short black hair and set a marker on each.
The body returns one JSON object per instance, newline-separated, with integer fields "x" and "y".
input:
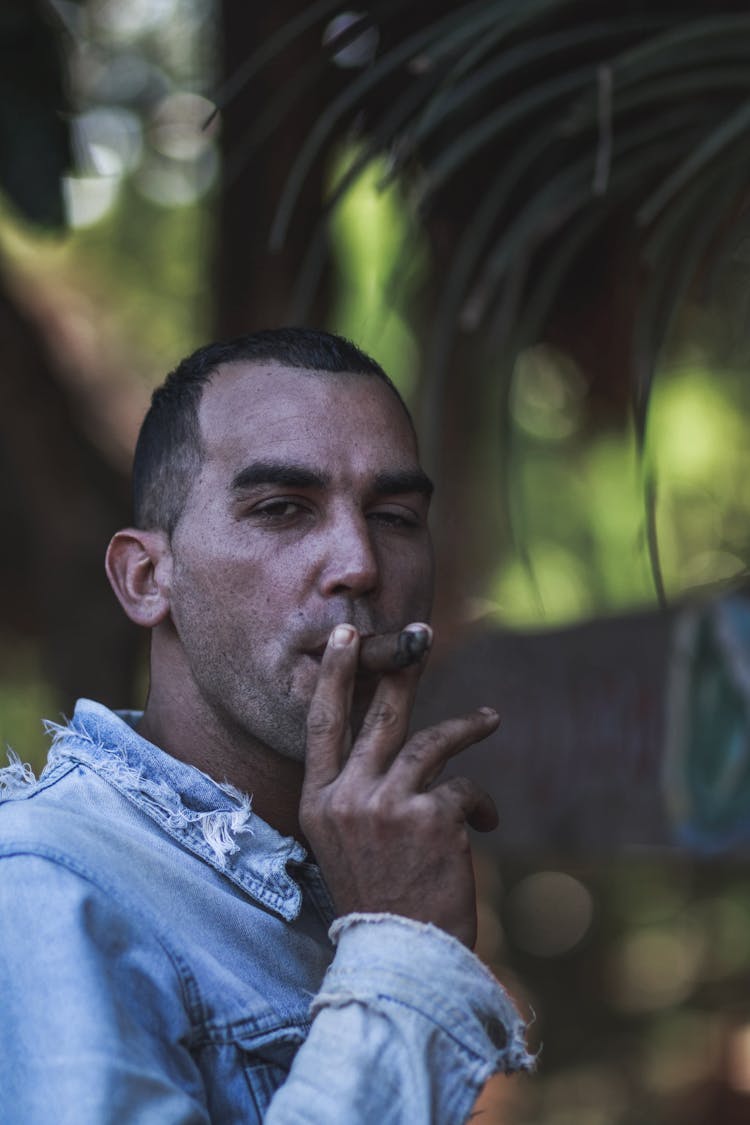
{"x": 168, "y": 453}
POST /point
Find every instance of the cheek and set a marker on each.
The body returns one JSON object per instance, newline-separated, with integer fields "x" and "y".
{"x": 231, "y": 594}
{"x": 410, "y": 580}
{"x": 205, "y": 592}
{"x": 427, "y": 580}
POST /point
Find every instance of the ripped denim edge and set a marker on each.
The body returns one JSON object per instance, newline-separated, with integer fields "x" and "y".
{"x": 513, "y": 1056}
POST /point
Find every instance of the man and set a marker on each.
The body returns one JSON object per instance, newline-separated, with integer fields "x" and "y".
{"x": 166, "y": 948}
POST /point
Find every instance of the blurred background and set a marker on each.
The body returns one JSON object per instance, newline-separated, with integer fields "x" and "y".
{"x": 535, "y": 216}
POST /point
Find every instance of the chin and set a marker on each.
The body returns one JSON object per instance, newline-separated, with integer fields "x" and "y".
{"x": 292, "y": 752}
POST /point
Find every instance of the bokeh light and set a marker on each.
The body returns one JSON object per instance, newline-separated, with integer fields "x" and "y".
{"x": 655, "y": 967}
{"x": 361, "y": 48}
{"x": 548, "y": 913}
{"x": 123, "y": 22}
{"x": 739, "y": 1059}
{"x": 548, "y": 393}
{"x": 584, "y": 1095}
{"x": 177, "y": 128}
{"x": 680, "y": 1049}
{"x": 725, "y": 921}
{"x": 111, "y": 129}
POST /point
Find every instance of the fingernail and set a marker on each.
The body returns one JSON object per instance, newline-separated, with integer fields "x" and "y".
{"x": 419, "y": 627}
{"x": 489, "y": 711}
{"x": 342, "y": 636}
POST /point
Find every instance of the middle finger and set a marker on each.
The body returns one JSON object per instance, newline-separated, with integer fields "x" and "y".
{"x": 427, "y": 752}
{"x": 386, "y": 722}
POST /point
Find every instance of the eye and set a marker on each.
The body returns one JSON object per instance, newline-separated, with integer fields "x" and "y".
{"x": 279, "y": 509}
{"x": 397, "y": 518}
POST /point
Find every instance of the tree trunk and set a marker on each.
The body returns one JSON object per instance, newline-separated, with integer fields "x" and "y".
{"x": 62, "y": 502}
{"x": 254, "y": 286}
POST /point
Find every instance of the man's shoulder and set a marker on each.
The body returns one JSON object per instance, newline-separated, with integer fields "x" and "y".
{"x": 70, "y": 838}
{"x": 71, "y": 814}
{"x": 57, "y": 813}
{"x": 70, "y": 807}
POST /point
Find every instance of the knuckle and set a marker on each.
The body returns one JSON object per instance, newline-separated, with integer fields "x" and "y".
{"x": 466, "y": 792}
{"x": 433, "y": 738}
{"x": 307, "y": 820}
{"x": 341, "y": 807}
{"x": 381, "y": 807}
{"x": 381, "y": 716}
{"x": 462, "y": 786}
{"x": 433, "y": 814}
{"x": 451, "y": 795}
{"x": 323, "y": 718}
{"x": 309, "y": 815}
{"x": 410, "y": 756}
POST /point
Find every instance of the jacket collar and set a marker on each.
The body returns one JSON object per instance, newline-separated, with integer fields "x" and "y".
{"x": 213, "y": 820}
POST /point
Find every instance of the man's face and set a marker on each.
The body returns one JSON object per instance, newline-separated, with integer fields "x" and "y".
{"x": 310, "y": 510}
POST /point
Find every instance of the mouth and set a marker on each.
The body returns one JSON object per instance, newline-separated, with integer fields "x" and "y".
{"x": 316, "y": 652}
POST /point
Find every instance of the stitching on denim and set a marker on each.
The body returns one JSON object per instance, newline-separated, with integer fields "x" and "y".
{"x": 514, "y": 1055}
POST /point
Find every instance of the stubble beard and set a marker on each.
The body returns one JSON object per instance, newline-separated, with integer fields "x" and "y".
{"x": 271, "y": 717}
{"x": 276, "y": 718}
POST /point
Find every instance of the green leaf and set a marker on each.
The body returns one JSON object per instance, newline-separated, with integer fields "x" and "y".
{"x": 346, "y": 102}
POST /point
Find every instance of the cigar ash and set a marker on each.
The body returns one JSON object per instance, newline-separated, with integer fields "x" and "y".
{"x": 411, "y": 646}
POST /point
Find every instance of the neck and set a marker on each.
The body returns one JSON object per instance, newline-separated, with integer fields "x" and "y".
{"x": 274, "y": 782}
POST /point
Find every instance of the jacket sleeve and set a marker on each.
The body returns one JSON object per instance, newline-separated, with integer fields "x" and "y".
{"x": 408, "y": 1027}
{"x": 94, "y": 1027}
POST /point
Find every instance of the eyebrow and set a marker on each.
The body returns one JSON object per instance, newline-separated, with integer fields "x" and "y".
{"x": 400, "y": 481}
{"x": 278, "y": 472}
{"x": 395, "y": 482}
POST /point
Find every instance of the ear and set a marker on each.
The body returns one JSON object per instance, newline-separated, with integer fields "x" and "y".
{"x": 139, "y": 567}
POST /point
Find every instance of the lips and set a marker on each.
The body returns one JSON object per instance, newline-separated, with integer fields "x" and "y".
{"x": 316, "y": 651}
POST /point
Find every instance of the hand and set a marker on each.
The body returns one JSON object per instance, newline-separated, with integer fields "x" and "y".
{"x": 389, "y": 836}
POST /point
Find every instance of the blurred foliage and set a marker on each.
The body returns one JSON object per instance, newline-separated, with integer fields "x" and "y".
{"x": 579, "y": 510}
{"x": 373, "y": 287}
{"x": 137, "y": 166}
{"x": 142, "y": 269}
{"x": 650, "y": 958}
{"x": 25, "y": 700}
{"x": 579, "y": 501}
{"x": 34, "y": 138}
{"x": 106, "y": 219}
{"x": 558, "y": 122}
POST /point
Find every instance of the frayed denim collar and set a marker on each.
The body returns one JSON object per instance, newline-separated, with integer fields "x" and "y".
{"x": 212, "y": 819}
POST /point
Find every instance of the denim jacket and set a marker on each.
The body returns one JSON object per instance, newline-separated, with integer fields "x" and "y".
{"x": 166, "y": 956}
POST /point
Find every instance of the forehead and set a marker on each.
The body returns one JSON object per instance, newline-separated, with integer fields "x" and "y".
{"x": 251, "y": 411}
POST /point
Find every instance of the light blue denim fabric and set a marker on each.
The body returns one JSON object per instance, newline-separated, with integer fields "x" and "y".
{"x": 164, "y": 958}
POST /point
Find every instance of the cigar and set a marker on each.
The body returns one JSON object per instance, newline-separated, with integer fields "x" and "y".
{"x": 390, "y": 652}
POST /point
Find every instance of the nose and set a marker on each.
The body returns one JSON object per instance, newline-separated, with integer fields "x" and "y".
{"x": 350, "y": 565}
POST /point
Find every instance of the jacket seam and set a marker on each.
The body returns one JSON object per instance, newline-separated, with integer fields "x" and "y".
{"x": 189, "y": 989}
{"x": 325, "y": 1000}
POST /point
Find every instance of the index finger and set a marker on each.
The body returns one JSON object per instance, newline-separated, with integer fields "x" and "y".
{"x": 328, "y": 726}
